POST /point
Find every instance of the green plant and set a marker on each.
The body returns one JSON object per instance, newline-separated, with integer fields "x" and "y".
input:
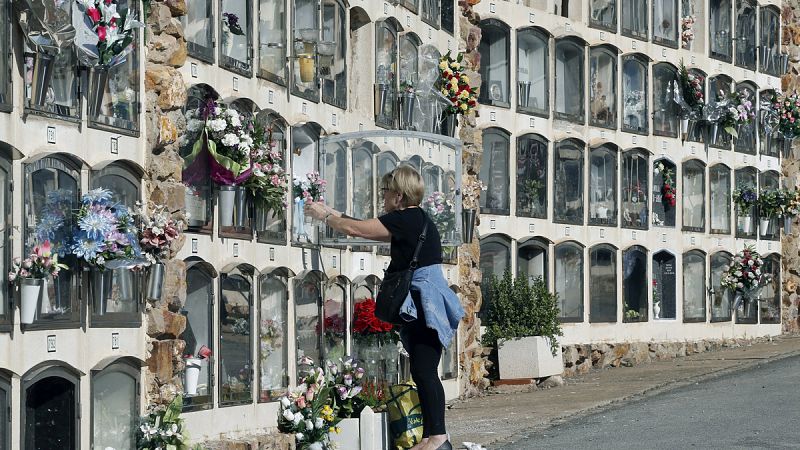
{"x": 520, "y": 308}
{"x": 770, "y": 203}
{"x": 163, "y": 429}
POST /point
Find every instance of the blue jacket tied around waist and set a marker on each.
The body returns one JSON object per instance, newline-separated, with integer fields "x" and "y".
{"x": 440, "y": 305}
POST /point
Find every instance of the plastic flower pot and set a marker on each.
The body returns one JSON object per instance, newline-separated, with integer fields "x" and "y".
{"x": 240, "y": 213}
{"x": 29, "y": 298}
{"x": 227, "y": 200}
{"x": 763, "y": 226}
{"x": 746, "y": 224}
{"x": 192, "y": 375}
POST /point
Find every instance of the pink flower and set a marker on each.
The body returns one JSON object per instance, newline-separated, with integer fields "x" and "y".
{"x": 101, "y": 33}
{"x": 93, "y": 14}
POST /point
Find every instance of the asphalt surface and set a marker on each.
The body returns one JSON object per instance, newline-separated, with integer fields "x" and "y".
{"x": 755, "y": 408}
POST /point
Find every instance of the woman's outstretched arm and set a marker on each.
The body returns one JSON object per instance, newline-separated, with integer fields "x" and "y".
{"x": 369, "y": 229}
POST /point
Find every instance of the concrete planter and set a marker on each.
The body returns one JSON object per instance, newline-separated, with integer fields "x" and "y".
{"x": 528, "y": 357}
{"x": 370, "y": 432}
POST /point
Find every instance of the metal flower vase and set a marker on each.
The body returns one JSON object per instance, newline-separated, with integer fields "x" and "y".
{"x": 112, "y": 290}
{"x": 407, "y": 106}
{"x": 381, "y": 96}
{"x": 155, "y": 281}
{"x": 468, "y": 217}
{"x": 784, "y": 63}
{"x": 227, "y": 201}
{"x": 43, "y": 67}
{"x": 30, "y": 291}
{"x": 787, "y": 224}
{"x": 447, "y": 124}
{"x": 241, "y": 208}
{"x": 97, "y": 88}
{"x": 713, "y": 133}
{"x": 766, "y": 56}
{"x": 524, "y": 90}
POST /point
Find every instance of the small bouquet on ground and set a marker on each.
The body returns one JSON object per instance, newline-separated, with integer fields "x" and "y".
{"x": 367, "y": 328}
{"x": 668, "y": 191}
{"x": 309, "y": 410}
{"x": 311, "y": 189}
{"x": 453, "y": 83}
{"x": 687, "y": 31}
{"x": 163, "y": 428}
{"x": 231, "y": 21}
{"x": 691, "y": 89}
{"x": 441, "y": 211}
{"x": 114, "y": 29}
{"x": 157, "y": 231}
{"x": 268, "y": 183}
{"x": 745, "y": 274}
{"x": 105, "y": 232}
{"x": 744, "y": 197}
{"x": 739, "y": 111}
{"x": 41, "y": 263}
{"x": 229, "y": 138}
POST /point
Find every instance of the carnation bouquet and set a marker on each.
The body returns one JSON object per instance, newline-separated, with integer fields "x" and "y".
{"x": 41, "y": 263}
{"x": 157, "y": 230}
{"x": 105, "y": 231}
{"x": 229, "y": 142}
{"x": 453, "y": 83}
{"x": 744, "y": 275}
{"x": 367, "y": 328}
{"x": 738, "y": 111}
{"x": 441, "y": 211}
{"x": 268, "y": 182}
{"x": 114, "y": 30}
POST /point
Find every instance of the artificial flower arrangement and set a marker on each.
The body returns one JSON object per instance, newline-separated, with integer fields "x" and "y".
{"x": 788, "y": 111}
{"x": 231, "y": 21}
{"x": 471, "y": 193}
{"x": 312, "y": 189}
{"x": 770, "y": 203}
{"x": 41, "y": 263}
{"x": 229, "y": 142}
{"x": 668, "y": 191}
{"x": 407, "y": 87}
{"x": 791, "y": 202}
{"x": 104, "y": 231}
{"x": 453, "y": 83}
{"x": 55, "y": 223}
{"x": 268, "y": 183}
{"x": 691, "y": 87}
{"x": 271, "y": 336}
{"x": 441, "y": 210}
{"x": 745, "y": 275}
{"x": 744, "y": 197}
{"x": 739, "y": 111}
{"x": 163, "y": 428}
{"x": 114, "y": 29}
{"x": 687, "y": 31}
{"x": 158, "y": 229}
{"x": 367, "y": 328}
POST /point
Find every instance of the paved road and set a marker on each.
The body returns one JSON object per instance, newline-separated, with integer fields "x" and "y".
{"x": 753, "y": 409}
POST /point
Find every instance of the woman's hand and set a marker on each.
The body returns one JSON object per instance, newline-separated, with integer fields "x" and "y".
{"x": 316, "y": 210}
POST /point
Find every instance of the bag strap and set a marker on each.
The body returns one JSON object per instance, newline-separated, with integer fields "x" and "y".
{"x": 422, "y": 236}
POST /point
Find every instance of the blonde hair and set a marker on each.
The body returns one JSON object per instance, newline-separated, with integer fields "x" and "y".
{"x": 407, "y": 181}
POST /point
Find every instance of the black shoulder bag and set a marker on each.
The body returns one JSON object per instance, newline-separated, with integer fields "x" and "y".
{"x": 395, "y": 286}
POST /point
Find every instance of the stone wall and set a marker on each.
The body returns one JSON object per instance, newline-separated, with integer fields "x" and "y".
{"x": 791, "y": 171}
{"x": 581, "y": 359}
{"x": 473, "y": 356}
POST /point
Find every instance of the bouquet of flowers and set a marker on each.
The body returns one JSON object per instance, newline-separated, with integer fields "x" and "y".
{"x": 407, "y": 86}
{"x": 104, "y": 231}
{"x": 163, "y": 429}
{"x": 311, "y": 189}
{"x": 454, "y": 85}
{"x": 691, "y": 87}
{"x": 346, "y": 386}
{"x": 687, "y": 31}
{"x": 229, "y": 138}
{"x": 114, "y": 30}
{"x": 268, "y": 182}
{"x": 55, "y": 224}
{"x": 308, "y": 410}
{"x": 271, "y": 336}
{"x": 745, "y": 273}
{"x": 668, "y": 191}
{"x": 791, "y": 204}
{"x": 231, "y": 21}
{"x": 471, "y": 193}
{"x": 41, "y": 263}
{"x": 739, "y": 111}
{"x": 440, "y": 209}
{"x": 788, "y": 110}
{"x": 367, "y": 328}
{"x": 744, "y": 197}
{"x": 157, "y": 230}
{"x": 770, "y": 203}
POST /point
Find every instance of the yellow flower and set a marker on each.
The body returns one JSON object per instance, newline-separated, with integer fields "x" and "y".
{"x": 443, "y": 65}
{"x": 455, "y": 65}
{"x": 444, "y": 92}
{"x": 454, "y": 88}
{"x": 463, "y": 106}
{"x": 464, "y": 79}
{"x": 463, "y": 94}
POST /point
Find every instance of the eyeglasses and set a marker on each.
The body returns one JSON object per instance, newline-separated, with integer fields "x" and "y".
{"x": 384, "y": 190}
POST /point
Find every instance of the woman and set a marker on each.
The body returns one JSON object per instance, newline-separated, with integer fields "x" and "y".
{"x": 432, "y": 310}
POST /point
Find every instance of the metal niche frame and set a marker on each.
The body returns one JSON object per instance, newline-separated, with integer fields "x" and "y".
{"x": 433, "y": 147}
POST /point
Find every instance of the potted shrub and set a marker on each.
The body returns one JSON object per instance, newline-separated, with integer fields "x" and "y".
{"x": 523, "y": 326}
{"x": 31, "y": 275}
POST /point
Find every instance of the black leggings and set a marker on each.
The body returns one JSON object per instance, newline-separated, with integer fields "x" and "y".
{"x": 423, "y": 346}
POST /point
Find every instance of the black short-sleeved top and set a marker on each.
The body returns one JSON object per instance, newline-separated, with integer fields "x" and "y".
{"x": 406, "y": 226}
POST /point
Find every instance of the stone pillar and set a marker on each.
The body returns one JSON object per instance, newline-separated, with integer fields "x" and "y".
{"x": 473, "y": 357}
{"x": 164, "y": 123}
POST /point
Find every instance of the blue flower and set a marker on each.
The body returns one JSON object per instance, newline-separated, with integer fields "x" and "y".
{"x": 86, "y": 249}
{"x": 98, "y": 195}
{"x": 96, "y": 225}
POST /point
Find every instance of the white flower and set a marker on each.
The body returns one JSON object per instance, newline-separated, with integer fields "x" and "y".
{"x": 230, "y": 140}
{"x": 217, "y": 124}
{"x": 297, "y": 418}
{"x": 287, "y": 414}
{"x": 751, "y": 275}
{"x": 316, "y": 446}
{"x": 235, "y": 121}
{"x": 232, "y": 113}
{"x": 309, "y": 424}
{"x": 750, "y": 262}
{"x": 285, "y": 402}
{"x": 319, "y": 423}
{"x": 194, "y": 124}
{"x": 299, "y": 436}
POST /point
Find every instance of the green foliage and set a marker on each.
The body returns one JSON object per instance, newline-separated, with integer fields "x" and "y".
{"x": 520, "y": 308}
{"x": 163, "y": 429}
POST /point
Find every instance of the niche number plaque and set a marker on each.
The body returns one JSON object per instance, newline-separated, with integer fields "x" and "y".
{"x": 114, "y": 341}
{"x": 51, "y": 343}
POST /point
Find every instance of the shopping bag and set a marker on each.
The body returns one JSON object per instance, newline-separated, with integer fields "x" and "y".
{"x": 405, "y": 415}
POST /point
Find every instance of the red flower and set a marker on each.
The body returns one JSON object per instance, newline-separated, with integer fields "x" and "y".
{"x": 101, "y": 33}
{"x": 93, "y": 14}
{"x": 364, "y": 320}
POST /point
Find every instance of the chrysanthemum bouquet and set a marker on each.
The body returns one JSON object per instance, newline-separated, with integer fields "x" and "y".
{"x": 41, "y": 263}
{"x": 745, "y": 273}
{"x": 268, "y": 183}
{"x": 157, "y": 230}
{"x": 55, "y": 221}
{"x": 454, "y": 84}
{"x": 271, "y": 335}
{"x": 311, "y": 189}
{"x": 163, "y": 429}
{"x": 230, "y": 140}
{"x": 740, "y": 111}
{"x": 104, "y": 230}
{"x": 114, "y": 29}
{"x": 440, "y": 209}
